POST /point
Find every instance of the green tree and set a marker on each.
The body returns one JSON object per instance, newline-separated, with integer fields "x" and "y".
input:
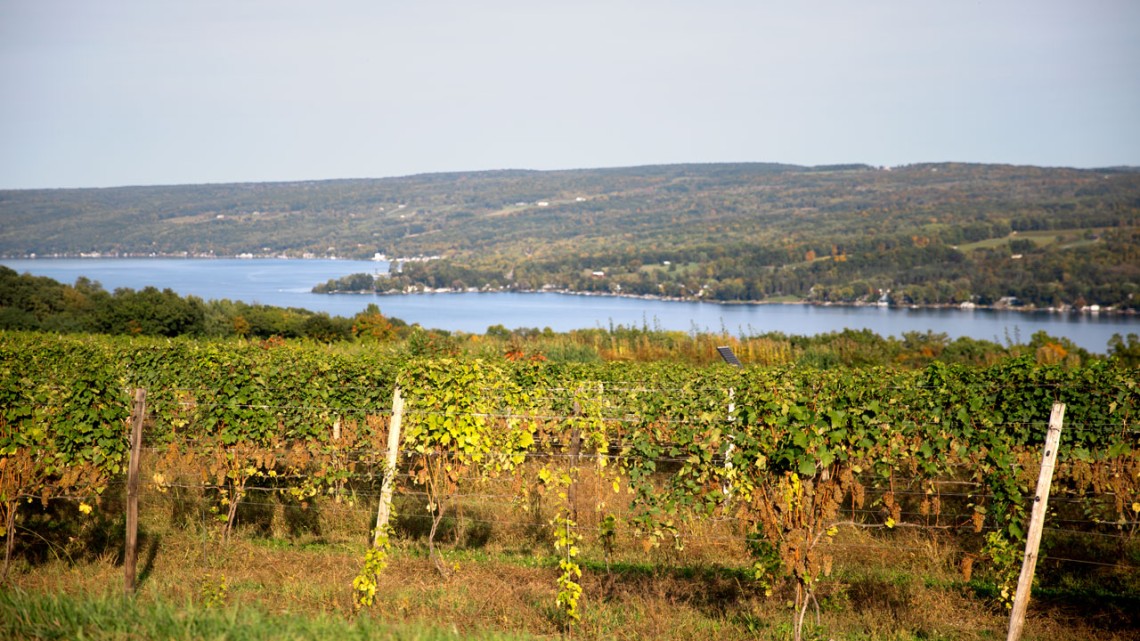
{"x": 151, "y": 312}
{"x": 325, "y": 328}
{"x": 1125, "y": 351}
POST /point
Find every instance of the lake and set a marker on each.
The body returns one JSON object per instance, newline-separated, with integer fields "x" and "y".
{"x": 287, "y": 283}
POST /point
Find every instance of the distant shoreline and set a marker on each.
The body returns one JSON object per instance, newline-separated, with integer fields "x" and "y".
{"x": 1088, "y": 311}
{"x": 1111, "y": 311}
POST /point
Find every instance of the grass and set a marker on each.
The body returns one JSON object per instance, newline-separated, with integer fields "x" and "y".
{"x": 1062, "y": 238}
{"x": 25, "y": 615}
{"x": 270, "y": 581}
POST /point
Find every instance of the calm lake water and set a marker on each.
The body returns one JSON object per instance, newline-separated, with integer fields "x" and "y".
{"x": 287, "y": 283}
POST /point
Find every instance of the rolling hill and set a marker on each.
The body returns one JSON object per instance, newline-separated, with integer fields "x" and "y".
{"x": 927, "y": 234}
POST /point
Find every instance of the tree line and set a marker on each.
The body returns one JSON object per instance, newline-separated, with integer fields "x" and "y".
{"x": 37, "y": 303}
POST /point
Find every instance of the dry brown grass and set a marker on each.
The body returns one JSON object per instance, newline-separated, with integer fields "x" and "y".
{"x": 288, "y": 559}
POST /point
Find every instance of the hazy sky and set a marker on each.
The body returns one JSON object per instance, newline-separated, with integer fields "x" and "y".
{"x": 129, "y": 92}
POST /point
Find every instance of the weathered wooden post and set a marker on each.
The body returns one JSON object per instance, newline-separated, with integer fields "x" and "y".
{"x": 1036, "y": 523}
{"x": 131, "y": 554}
{"x": 575, "y": 453}
{"x": 384, "y": 511}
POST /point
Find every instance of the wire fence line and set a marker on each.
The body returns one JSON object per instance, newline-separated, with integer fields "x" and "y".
{"x": 407, "y": 476}
{"x": 690, "y": 537}
{"x": 358, "y": 493}
{"x": 369, "y": 456}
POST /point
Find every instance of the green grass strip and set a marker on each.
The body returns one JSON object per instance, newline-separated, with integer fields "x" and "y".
{"x": 25, "y": 615}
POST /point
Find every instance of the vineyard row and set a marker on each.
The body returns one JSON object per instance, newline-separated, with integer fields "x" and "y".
{"x": 787, "y": 454}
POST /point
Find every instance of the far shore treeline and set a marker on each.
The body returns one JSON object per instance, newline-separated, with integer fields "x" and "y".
{"x": 41, "y": 304}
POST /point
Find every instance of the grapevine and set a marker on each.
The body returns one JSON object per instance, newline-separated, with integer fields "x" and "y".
{"x": 365, "y": 583}
{"x": 789, "y": 452}
{"x": 566, "y": 543}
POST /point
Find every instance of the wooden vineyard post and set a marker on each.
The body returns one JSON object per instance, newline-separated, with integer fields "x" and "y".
{"x": 1036, "y": 523}
{"x": 131, "y": 554}
{"x": 575, "y": 453}
{"x": 384, "y": 511}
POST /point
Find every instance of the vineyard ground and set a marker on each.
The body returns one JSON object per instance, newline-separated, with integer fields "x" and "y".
{"x": 287, "y": 572}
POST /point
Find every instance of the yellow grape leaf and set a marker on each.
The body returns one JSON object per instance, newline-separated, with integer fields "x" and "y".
{"x": 890, "y": 522}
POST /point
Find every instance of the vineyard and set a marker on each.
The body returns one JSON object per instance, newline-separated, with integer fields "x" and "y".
{"x": 769, "y": 479}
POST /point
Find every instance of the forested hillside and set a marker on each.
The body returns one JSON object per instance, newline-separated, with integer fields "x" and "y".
{"x": 921, "y": 234}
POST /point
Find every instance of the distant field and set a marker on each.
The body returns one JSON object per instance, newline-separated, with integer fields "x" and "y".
{"x": 1064, "y": 239}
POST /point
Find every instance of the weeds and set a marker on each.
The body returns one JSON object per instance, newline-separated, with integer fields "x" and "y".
{"x": 273, "y": 582}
